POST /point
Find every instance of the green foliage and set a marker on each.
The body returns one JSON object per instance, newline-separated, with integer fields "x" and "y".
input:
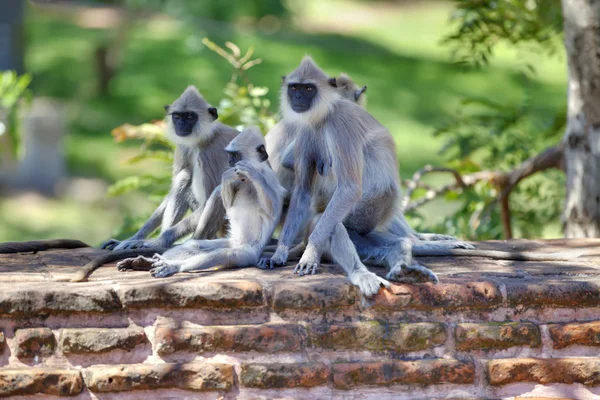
{"x": 13, "y": 92}
{"x": 484, "y": 24}
{"x": 222, "y": 10}
{"x": 243, "y": 104}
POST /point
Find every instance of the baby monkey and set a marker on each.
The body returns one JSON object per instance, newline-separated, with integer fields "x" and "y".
{"x": 252, "y": 197}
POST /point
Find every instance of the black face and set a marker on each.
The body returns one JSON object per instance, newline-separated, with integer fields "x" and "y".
{"x": 234, "y": 156}
{"x": 262, "y": 153}
{"x": 184, "y": 122}
{"x": 301, "y": 95}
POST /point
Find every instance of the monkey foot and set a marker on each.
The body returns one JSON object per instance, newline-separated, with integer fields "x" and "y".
{"x": 306, "y": 268}
{"x": 139, "y": 263}
{"x": 165, "y": 271}
{"x": 459, "y": 244}
{"x": 267, "y": 263}
{"x": 412, "y": 274}
{"x": 368, "y": 283}
{"x": 110, "y": 244}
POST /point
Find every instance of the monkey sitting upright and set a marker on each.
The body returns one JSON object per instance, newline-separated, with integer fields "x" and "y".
{"x": 197, "y": 168}
{"x": 252, "y": 197}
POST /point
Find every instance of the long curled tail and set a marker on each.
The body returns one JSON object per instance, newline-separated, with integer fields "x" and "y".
{"x": 40, "y": 245}
{"x": 96, "y": 263}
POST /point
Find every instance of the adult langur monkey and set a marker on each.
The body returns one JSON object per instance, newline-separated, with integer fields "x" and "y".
{"x": 354, "y": 201}
{"x": 252, "y": 197}
{"x": 197, "y": 168}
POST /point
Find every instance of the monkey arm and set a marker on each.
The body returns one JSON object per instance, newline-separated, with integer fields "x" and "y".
{"x": 287, "y": 160}
{"x": 176, "y": 201}
{"x": 299, "y": 208}
{"x": 348, "y": 170}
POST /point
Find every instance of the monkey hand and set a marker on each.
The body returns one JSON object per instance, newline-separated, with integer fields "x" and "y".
{"x": 164, "y": 267}
{"x": 459, "y": 244}
{"x": 244, "y": 170}
{"x": 400, "y": 273}
{"x": 110, "y": 244}
{"x": 309, "y": 262}
{"x": 278, "y": 260}
{"x": 140, "y": 263}
{"x": 368, "y": 283}
{"x": 139, "y": 244}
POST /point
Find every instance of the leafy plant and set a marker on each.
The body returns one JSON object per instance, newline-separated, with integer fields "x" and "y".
{"x": 242, "y": 104}
{"x": 13, "y": 93}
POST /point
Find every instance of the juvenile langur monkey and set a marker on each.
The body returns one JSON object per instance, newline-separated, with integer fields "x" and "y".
{"x": 199, "y": 163}
{"x": 356, "y": 199}
{"x": 252, "y": 197}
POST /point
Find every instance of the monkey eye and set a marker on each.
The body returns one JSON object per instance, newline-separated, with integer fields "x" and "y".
{"x": 189, "y": 116}
{"x": 293, "y": 87}
{"x": 309, "y": 88}
{"x": 176, "y": 116}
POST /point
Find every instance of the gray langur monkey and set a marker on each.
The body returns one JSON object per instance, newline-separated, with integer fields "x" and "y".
{"x": 197, "y": 168}
{"x": 252, "y": 197}
{"x": 280, "y": 143}
{"x": 356, "y": 199}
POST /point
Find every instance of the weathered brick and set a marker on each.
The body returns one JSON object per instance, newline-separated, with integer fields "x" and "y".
{"x": 496, "y": 335}
{"x": 553, "y": 294}
{"x": 100, "y": 340}
{"x": 584, "y": 334}
{"x": 376, "y": 336}
{"x": 420, "y": 372}
{"x": 544, "y": 371}
{"x": 195, "y": 293}
{"x": 448, "y": 296}
{"x": 34, "y": 342}
{"x": 24, "y": 381}
{"x": 268, "y": 338}
{"x": 57, "y": 298}
{"x": 279, "y": 376}
{"x": 190, "y": 376}
{"x": 324, "y": 294}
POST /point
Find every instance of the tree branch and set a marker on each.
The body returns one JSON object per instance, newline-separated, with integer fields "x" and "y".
{"x": 505, "y": 182}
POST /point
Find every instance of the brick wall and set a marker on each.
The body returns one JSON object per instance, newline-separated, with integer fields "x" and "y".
{"x": 309, "y": 338}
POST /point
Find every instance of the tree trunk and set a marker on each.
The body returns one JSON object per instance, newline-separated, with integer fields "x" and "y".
{"x": 581, "y": 215}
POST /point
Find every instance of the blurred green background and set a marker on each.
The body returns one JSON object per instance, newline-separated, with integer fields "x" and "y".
{"x": 393, "y": 47}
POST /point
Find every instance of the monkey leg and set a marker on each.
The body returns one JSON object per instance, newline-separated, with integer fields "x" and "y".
{"x": 228, "y": 258}
{"x": 384, "y": 248}
{"x": 193, "y": 247}
{"x": 343, "y": 252}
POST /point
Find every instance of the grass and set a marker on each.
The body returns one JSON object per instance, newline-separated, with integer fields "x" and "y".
{"x": 395, "y": 51}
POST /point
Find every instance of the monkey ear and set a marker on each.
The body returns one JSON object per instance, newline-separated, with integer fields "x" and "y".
{"x": 262, "y": 153}
{"x": 213, "y": 111}
{"x": 358, "y": 93}
{"x": 332, "y": 82}
{"x": 167, "y": 108}
{"x": 283, "y": 78}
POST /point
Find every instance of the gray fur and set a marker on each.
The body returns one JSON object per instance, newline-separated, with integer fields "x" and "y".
{"x": 252, "y": 197}
{"x": 199, "y": 162}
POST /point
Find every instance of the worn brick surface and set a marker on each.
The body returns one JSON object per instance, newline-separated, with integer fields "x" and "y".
{"x": 263, "y": 338}
{"x": 585, "y": 334}
{"x": 496, "y": 335}
{"x": 419, "y": 372}
{"x": 323, "y": 294}
{"x": 194, "y": 293}
{"x": 34, "y": 342}
{"x": 190, "y": 376}
{"x": 27, "y": 381}
{"x": 100, "y": 340}
{"x": 544, "y": 371}
{"x": 553, "y": 294}
{"x": 377, "y": 336}
{"x": 56, "y": 298}
{"x": 448, "y": 296}
{"x": 279, "y": 376}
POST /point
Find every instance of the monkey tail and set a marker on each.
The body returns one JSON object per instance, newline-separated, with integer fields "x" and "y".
{"x": 496, "y": 254}
{"x": 40, "y": 245}
{"x": 118, "y": 255}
